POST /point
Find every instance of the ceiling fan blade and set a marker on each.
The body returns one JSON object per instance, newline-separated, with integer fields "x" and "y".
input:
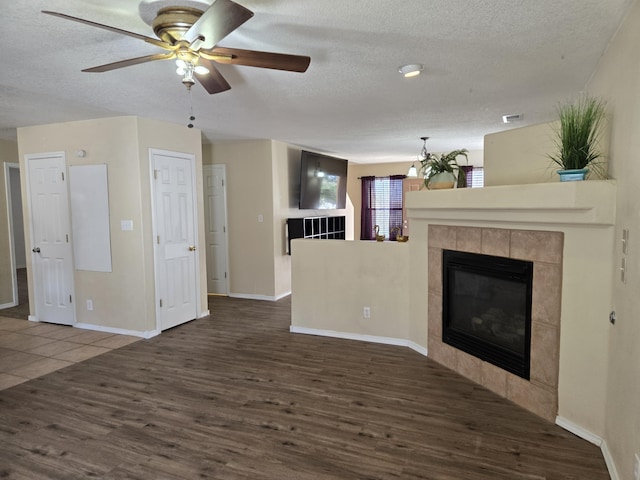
{"x": 153, "y": 41}
{"x": 213, "y": 82}
{"x": 132, "y": 61}
{"x": 254, "y": 58}
{"x": 218, "y": 21}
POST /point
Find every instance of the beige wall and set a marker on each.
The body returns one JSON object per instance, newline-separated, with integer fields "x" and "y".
{"x": 262, "y": 179}
{"x": 617, "y": 80}
{"x": 249, "y": 194}
{"x": 8, "y": 154}
{"x": 333, "y": 281}
{"x": 124, "y": 298}
{"x": 519, "y": 156}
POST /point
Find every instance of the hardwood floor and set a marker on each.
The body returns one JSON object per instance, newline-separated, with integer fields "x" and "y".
{"x": 236, "y": 396}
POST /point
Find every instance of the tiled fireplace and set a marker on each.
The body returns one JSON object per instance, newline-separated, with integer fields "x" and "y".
{"x": 545, "y": 250}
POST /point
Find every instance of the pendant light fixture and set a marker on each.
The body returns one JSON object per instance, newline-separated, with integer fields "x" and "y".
{"x": 423, "y": 155}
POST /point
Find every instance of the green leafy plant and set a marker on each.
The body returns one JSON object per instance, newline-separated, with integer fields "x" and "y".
{"x": 432, "y": 164}
{"x": 579, "y": 133}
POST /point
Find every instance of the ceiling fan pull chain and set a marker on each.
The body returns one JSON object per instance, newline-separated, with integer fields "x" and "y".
{"x": 191, "y": 116}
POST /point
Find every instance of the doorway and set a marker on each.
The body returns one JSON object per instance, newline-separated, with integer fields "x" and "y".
{"x": 215, "y": 205}
{"x": 18, "y": 307}
{"x": 175, "y": 234}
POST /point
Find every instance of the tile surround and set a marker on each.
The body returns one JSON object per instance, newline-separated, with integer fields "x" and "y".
{"x": 540, "y": 394}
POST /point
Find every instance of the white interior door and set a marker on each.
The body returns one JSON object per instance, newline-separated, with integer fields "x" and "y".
{"x": 50, "y": 229}
{"x": 215, "y": 204}
{"x": 175, "y": 235}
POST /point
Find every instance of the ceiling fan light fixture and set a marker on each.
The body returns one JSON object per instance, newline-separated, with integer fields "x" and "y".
{"x": 411, "y": 70}
{"x": 201, "y": 70}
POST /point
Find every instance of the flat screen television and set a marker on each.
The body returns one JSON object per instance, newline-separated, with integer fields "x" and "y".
{"x": 323, "y": 182}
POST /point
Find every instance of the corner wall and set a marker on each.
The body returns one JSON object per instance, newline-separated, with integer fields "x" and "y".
{"x": 617, "y": 80}
{"x": 124, "y": 298}
{"x": 262, "y": 179}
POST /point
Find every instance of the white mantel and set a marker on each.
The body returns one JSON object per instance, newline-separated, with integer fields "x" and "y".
{"x": 568, "y": 203}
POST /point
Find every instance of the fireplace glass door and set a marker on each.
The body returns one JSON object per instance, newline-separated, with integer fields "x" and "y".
{"x": 487, "y": 308}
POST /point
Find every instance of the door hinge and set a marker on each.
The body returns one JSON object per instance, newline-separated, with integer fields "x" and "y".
{"x": 224, "y": 229}
{"x": 67, "y": 238}
{"x": 62, "y": 173}
{"x": 158, "y": 239}
{"x": 225, "y": 274}
{"x": 155, "y": 174}
{"x": 70, "y": 299}
{"x": 160, "y": 303}
{"x": 223, "y": 183}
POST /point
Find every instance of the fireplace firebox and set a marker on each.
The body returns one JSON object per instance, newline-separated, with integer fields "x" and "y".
{"x": 486, "y": 308}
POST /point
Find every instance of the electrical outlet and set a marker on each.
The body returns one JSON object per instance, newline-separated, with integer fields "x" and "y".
{"x": 636, "y": 468}
{"x": 89, "y": 305}
{"x": 366, "y": 312}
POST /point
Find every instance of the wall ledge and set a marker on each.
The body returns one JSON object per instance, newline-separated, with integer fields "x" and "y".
{"x": 591, "y": 202}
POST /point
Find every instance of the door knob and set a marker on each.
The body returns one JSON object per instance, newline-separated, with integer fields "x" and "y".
{"x": 36, "y": 250}
{"x": 192, "y": 248}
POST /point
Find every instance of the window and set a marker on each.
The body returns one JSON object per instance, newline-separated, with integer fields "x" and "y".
{"x": 475, "y": 176}
{"x": 381, "y": 205}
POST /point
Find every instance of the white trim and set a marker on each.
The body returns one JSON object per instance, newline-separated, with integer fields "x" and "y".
{"x": 579, "y": 431}
{"x": 417, "y": 348}
{"x": 206, "y": 313}
{"x": 118, "y": 331}
{"x": 400, "y": 342}
{"x": 249, "y": 296}
{"x": 608, "y": 459}
{"x": 33, "y": 318}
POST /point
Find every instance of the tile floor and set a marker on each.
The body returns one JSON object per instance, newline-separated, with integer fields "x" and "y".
{"x": 31, "y": 349}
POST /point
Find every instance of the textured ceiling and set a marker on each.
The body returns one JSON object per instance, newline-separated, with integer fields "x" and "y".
{"x": 483, "y": 59}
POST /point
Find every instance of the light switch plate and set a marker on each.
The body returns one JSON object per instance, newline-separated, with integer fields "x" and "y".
{"x": 126, "y": 225}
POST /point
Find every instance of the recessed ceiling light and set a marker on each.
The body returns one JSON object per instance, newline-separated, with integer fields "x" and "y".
{"x": 411, "y": 70}
{"x": 511, "y": 118}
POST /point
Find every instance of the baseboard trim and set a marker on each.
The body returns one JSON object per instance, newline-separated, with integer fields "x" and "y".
{"x": 591, "y": 438}
{"x": 118, "y": 331}
{"x": 269, "y": 298}
{"x": 400, "y": 342}
{"x": 206, "y": 313}
{"x": 7, "y": 305}
{"x": 32, "y": 318}
{"x": 579, "y": 431}
{"x": 418, "y": 348}
{"x": 608, "y": 459}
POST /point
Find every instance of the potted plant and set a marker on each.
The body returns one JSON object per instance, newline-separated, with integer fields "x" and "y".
{"x": 444, "y": 171}
{"x": 577, "y": 139}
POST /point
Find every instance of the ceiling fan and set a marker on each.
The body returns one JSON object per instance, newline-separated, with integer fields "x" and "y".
{"x": 190, "y": 36}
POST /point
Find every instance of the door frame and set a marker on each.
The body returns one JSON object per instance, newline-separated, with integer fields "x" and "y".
{"x": 36, "y": 293}
{"x": 154, "y": 227}
{"x": 12, "y": 245}
{"x": 223, "y": 167}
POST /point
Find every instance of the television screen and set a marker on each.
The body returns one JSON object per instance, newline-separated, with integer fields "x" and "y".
{"x": 323, "y": 182}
